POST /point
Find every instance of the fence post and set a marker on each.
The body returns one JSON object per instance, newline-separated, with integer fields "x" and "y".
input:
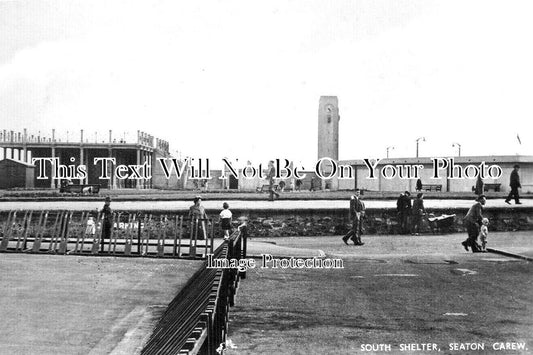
{"x": 139, "y": 247}
{"x": 244, "y": 237}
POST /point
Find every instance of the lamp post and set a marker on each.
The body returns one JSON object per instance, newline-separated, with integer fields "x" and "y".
{"x": 391, "y": 148}
{"x": 458, "y": 146}
{"x": 417, "y": 140}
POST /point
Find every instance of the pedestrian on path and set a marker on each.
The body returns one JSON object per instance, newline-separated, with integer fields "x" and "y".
{"x": 403, "y": 207}
{"x": 480, "y": 186}
{"x": 483, "y": 234}
{"x": 108, "y": 222}
{"x": 225, "y": 220}
{"x": 198, "y": 218}
{"x": 472, "y": 222}
{"x": 419, "y": 185}
{"x": 418, "y": 212}
{"x": 515, "y": 185}
{"x": 271, "y": 173}
{"x": 357, "y": 213}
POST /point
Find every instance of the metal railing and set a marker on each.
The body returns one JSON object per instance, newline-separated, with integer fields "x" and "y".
{"x": 196, "y": 321}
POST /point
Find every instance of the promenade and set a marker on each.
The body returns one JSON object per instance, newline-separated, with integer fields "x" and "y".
{"x": 393, "y": 292}
{"x": 177, "y": 206}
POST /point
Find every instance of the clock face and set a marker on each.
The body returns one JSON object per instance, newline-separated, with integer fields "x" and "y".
{"x": 329, "y": 108}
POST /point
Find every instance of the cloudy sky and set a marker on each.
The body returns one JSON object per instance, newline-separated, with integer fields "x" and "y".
{"x": 242, "y": 78}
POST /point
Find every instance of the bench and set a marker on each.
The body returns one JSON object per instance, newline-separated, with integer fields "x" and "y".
{"x": 488, "y": 187}
{"x": 80, "y": 189}
{"x": 495, "y": 187}
{"x": 431, "y": 187}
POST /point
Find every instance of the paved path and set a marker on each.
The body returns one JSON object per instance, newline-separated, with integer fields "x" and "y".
{"x": 401, "y": 245}
{"x": 395, "y": 291}
{"x": 519, "y": 243}
{"x": 240, "y": 205}
{"x": 84, "y": 305}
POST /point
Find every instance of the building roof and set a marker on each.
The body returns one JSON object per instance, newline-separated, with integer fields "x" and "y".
{"x": 515, "y": 159}
{"x": 5, "y": 160}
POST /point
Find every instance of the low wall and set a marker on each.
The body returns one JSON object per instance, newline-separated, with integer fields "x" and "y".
{"x": 319, "y": 222}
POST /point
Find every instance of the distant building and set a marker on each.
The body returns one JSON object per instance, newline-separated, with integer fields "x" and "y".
{"x": 144, "y": 149}
{"x": 328, "y": 146}
{"x": 382, "y": 182}
{"x": 16, "y": 174}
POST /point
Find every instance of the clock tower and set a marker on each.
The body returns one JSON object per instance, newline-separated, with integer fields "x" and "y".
{"x": 328, "y": 134}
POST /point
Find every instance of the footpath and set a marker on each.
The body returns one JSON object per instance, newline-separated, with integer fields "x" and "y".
{"x": 511, "y": 244}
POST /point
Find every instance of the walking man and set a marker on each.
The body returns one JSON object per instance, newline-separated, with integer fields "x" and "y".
{"x": 403, "y": 206}
{"x": 515, "y": 184}
{"x": 198, "y": 217}
{"x": 473, "y": 221}
{"x": 357, "y": 213}
{"x": 480, "y": 186}
{"x": 270, "y": 176}
{"x": 108, "y": 222}
{"x": 418, "y": 211}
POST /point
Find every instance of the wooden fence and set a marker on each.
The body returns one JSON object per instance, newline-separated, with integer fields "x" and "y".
{"x": 125, "y": 234}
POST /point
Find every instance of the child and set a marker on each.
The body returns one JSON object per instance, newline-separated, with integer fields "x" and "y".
{"x": 225, "y": 220}
{"x": 91, "y": 228}
{"x": 483, "y": 233}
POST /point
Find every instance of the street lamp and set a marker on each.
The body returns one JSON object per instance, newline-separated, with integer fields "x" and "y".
{"x": 391, "y": 148}
{"x": 458, "y": 146}
{"x": 417, "y": 140}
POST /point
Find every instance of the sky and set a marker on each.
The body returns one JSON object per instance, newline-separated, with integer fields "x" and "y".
{"x": 242, "y": 79}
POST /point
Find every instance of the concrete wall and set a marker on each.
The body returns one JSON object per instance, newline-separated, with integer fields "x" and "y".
{"x": 336, "y": 222}
{"x": 379, "y": 221}
{"x": 212, "y": 184}
{"x": 159, "y": 180}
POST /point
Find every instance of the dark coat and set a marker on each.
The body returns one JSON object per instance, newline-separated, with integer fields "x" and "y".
{"x": 475, "y": 214}
{"x": 356, "y": 205}
{"x": 515, "y": 180}
{"x": 480, "y": 186}
{"x": 403, "y": 205}
{"x": 108, "y": 214}
{"x": 418, "y": 207}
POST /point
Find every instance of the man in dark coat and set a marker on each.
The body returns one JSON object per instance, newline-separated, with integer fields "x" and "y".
{"x": 198, "y": 218}
{"x": 472, "y": 222}
{"x": 515, "y": 184}
{"x": 271, "y": 173}
{"x": 418, "y": 211}
{"x": 480, "y": 186}
{"x": 403, "y": 206}
{"x": 418, "y": 185}
{"x": 108, "y": 222}
{"x": 357, "y": 213}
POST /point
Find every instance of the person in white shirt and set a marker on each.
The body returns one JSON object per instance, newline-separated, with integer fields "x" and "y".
{"x": 225, "y": 220}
